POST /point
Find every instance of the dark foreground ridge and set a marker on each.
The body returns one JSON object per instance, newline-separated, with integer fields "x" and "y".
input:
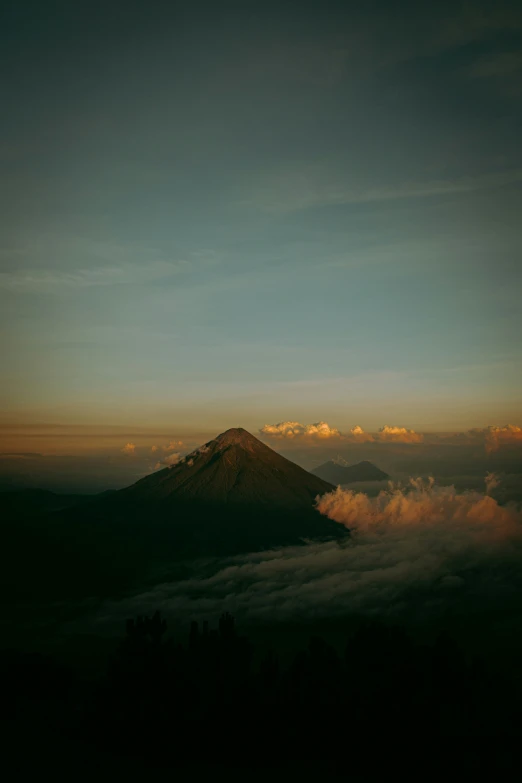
{"x": 375, "y": 708}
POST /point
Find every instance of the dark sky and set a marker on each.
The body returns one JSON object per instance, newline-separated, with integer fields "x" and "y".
{"x": 224, "y": 214}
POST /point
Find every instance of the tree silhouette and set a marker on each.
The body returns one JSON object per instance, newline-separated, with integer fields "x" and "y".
{"x": 164, "y": 704}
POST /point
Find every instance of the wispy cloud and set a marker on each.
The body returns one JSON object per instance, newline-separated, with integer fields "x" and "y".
{"x": 168, "y": 460}
{"x": 316, "y": 187}
{"x": 46, "y": 280}
{"x": 56, "y": 261}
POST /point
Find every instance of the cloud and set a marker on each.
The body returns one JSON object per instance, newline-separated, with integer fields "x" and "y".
{"x": 399, "y": 435}
{"x": 492, "y": 481}
{"x": 422, "y": 504}
{"x": 168, "y": 460}
{"x": 496, "y": 437}
{"x": 48, "y": 280}
{"x": 129, "y": 449}
{"x": 173, "y": 445}
{"x": 285, "y": 429}
{"x": 196, "y": 453}
{"x": 358, "y": 435}
{"x": 176, "y": 458}
{"x": 321, "y": 430}
{"x": 421, "y": 551}
{"x": 172, "y": 459}
{"x": 318, "y": 186}
{"x": 492, "y": 438}
{"x": 293, "y": 429}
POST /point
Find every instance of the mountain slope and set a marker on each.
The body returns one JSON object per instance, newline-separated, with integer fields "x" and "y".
{"x": 340, "y": 474}
{"x": 30, "y": 502}
{"x": 233, "y": 495}
{"x": 234, "y": 468}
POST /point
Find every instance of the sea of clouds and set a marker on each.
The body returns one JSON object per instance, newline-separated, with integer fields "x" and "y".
{"x": 415, "y": 552}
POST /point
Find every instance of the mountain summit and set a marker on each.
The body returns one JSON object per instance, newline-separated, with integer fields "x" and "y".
{"x": 337, "y": 473}
{"x": 237, "y": 436}
{"x": 233, "y": 468}
{"x": 230, "y": 496}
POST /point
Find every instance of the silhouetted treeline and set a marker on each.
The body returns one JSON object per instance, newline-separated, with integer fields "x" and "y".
{"x": 212, "y": 702}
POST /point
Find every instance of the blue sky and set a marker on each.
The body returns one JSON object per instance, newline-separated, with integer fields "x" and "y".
{"x": 236, "y": 214}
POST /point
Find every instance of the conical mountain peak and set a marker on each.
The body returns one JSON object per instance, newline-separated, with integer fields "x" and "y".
{"x": 237, "y": 436}
{"x": 234, "y": 468}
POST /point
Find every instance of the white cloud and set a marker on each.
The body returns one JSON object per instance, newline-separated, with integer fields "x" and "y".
{"x": 173, "y": 445}
{"x": 168, "y": 460}
{"x": 48, "y": 280}
{"x": 321, "y": 430}
{"x": 176, "y": 458}
{"x": 358, "y": 435}
{"x": 129, "y": 449}
{"x": 294, "y": 429}
{"x": 399, "y": 435}
{"x": 422, "y": 504}
{"x": 172, "y": 456}
{"x": 285, "y": 429}
{"x": 496, "y": 437}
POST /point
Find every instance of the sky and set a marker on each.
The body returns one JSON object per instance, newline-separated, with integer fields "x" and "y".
{"x": 240, "y": 214}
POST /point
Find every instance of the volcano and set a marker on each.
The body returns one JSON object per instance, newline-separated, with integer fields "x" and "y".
{"x": 230, "y": 496}
{"x": 348, "y": 474}
{"x": 234, "y": 469}
{"x": 233, "y": 494}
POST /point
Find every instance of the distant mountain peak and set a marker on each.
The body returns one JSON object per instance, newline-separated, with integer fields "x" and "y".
{"x": 337, "y": 473}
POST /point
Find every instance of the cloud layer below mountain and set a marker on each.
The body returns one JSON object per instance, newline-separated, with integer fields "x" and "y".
{"x": 416, "y": 552}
